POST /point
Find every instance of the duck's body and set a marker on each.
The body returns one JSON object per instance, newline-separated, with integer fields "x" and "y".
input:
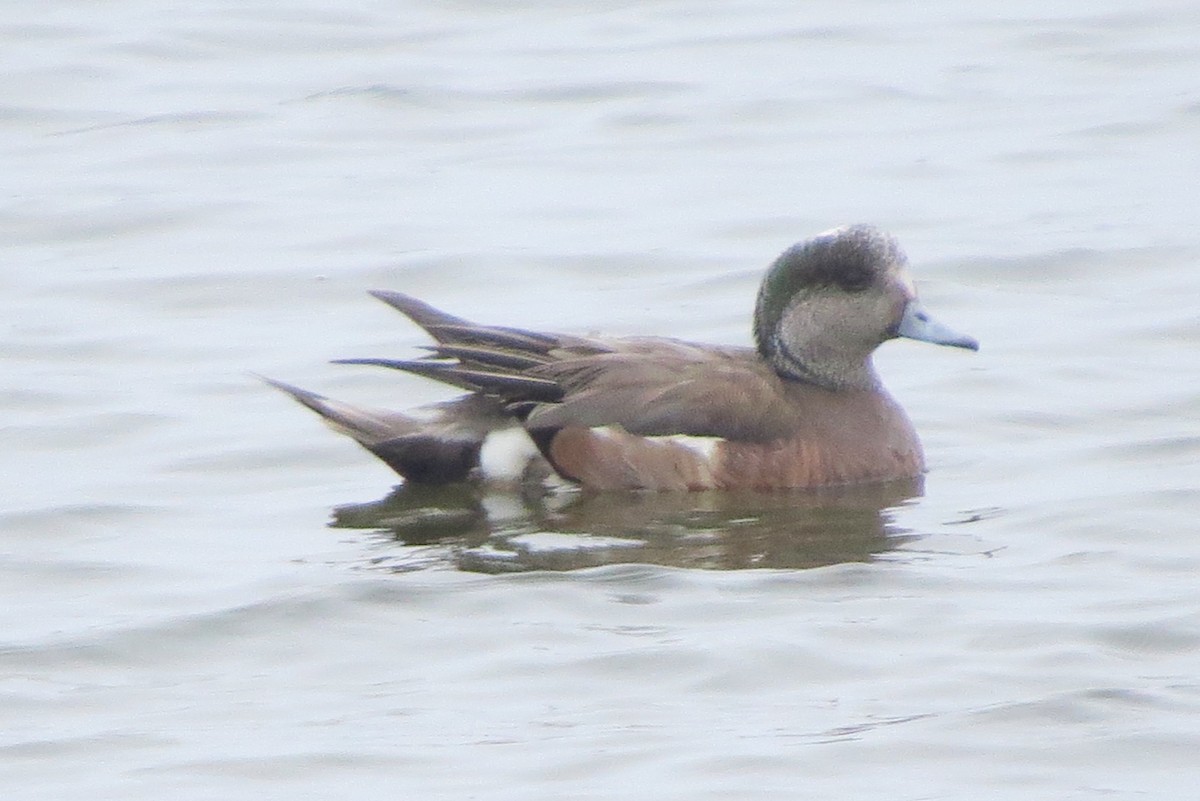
{"x": 820, "y": 449}
{"x": 802, "y": 409}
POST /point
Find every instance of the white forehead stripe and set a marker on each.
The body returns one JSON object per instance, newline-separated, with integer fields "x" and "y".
{"x": 833, "y": 233}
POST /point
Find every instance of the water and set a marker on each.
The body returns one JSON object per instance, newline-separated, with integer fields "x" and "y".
{"x": 196, "y": 192}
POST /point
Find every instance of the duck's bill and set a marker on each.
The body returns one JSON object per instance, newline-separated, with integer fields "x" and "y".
{"x": 918, "y": 324}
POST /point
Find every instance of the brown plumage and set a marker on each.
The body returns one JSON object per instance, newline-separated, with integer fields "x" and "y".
{"x": 802, "y": 409}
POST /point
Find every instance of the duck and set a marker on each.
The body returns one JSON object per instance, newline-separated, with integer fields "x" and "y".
{"x": 803, "y": 408}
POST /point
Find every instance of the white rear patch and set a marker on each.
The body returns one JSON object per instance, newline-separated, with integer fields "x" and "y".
{"x": 505, "y": 454}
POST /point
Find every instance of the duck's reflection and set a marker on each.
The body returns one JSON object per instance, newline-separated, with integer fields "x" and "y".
{"x": 474, "y": 528}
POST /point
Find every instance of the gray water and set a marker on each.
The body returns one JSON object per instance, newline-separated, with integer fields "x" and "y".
{"x": 204, "y": 594}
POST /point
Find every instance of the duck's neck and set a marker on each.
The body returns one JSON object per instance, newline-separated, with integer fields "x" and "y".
{"x": 824, "y": 370}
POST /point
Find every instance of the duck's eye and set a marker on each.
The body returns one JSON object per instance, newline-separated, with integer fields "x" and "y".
{"x": 854, "y": 284}
{"x": 853, "y": 275}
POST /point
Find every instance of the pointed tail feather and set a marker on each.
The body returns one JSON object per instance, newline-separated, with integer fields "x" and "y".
{"x": 440, "y": 371}
{"x": 446, "y": 328}
{"x": 366, "y": 426}
{"x": 507, "y": 385}
{"x": 488, "y": 357}
{"x": 443, "y": 450}
{"x": 418, "y": 311}
{"x": 514, "y": 339}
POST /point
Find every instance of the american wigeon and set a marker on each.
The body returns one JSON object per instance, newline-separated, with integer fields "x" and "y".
{"x": 803, "y": 408}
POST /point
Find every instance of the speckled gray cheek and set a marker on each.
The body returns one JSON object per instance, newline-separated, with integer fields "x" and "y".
{"x": 849, "y": 259}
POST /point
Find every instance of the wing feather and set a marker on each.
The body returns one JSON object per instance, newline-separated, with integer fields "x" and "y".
{"x": 674, "y": 389}
{"x": 649, "y": 386}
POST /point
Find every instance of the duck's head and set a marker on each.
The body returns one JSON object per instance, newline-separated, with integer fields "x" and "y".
{"x": 826, "y": 303}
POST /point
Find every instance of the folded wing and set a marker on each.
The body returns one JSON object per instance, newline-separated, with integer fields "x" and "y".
{"x": 648, "y": 386}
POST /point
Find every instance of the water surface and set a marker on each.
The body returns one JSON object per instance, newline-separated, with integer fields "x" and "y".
{"x": 204, "y": 593}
